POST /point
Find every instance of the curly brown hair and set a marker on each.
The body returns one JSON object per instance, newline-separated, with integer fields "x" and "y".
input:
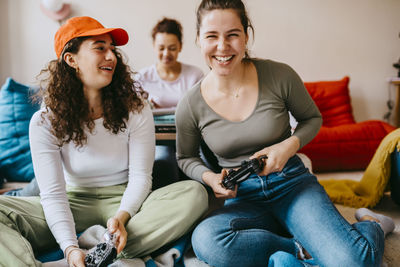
{"x": 67, "y": 108}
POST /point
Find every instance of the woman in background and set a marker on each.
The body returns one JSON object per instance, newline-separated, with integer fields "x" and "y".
{"x": 240, "y": 109}
{"x": 93, "y": 149}
{"x": 166, "y": 82}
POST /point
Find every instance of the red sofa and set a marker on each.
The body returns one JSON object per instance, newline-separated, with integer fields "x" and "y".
{"x": 341, "y": 144}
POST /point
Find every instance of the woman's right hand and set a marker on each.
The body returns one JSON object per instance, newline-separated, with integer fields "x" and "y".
{"x": 154, "y": 103}
{"x": 214, "y": 180}
{"x": 75, "y": 257}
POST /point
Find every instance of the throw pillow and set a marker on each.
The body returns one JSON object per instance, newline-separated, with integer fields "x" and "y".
{"x": 333, "y": 100}
{"x": 346, "y": 147}
{"x": 16, "y": 110}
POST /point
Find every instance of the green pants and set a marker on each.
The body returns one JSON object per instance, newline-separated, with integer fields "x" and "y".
{"x": 166, "y": 214}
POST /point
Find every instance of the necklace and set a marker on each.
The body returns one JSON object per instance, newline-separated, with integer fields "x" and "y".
{"x": 235, "y": 92}
{"x": 233, "y": 95}
{"x": 236, "y": 95}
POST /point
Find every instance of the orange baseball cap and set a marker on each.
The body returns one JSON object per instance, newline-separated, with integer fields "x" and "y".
{"x": 85, "y": 26}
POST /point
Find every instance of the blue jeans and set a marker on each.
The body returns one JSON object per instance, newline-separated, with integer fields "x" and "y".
{"x": 31, "y": 189}
{"x": 284, "y": 259}
{"x": 271, "y": 213}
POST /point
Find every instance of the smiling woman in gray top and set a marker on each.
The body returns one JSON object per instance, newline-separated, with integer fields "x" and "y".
{"x": 240, "y": 110}
{"x": 279, "y": 89}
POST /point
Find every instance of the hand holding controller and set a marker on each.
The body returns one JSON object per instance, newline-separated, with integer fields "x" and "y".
{"x": 247, "y": 167}
{"x": 103, "y": 253}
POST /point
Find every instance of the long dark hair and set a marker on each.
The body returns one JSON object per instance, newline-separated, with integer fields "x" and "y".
{"x": 67, "y": 108}
{"x": 237, "y": 5}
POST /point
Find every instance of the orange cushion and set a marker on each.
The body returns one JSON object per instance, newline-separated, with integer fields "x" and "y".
{"x": 346, "y": 147}
{"x": 333, "y": 100}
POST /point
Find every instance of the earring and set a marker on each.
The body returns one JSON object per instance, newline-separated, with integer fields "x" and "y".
{"x": 77, "y": 70}
{"x": 246, "y": 52}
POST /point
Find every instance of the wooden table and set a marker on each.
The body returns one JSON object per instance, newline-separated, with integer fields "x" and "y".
{"x": 165, "y": 128}
{"x": 396, "y": 82}
{"x": 165, "y": 139}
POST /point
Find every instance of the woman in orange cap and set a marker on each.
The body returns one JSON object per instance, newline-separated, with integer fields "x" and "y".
{"x": 93, "y": 149}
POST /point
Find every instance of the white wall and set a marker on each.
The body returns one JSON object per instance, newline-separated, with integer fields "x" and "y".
{"x": 321, "y": 40}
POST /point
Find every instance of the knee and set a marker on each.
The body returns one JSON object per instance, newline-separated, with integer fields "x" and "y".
{"x": 215, "y": 243}
{"x": 195, "y": 197}
{"x": 203, "y": 235}
{"x": 206, "y": 246}
{"x": 195, "y": 192}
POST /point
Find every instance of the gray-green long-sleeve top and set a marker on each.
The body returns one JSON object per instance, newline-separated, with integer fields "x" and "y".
{"x": 280, "y": 90}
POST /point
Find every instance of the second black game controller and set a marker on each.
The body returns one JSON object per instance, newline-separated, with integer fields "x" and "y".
{"x": 103, "y": 253}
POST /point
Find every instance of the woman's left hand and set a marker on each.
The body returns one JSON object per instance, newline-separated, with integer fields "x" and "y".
{"x": 116, "y": 226}
{"x": 278, "y": 155}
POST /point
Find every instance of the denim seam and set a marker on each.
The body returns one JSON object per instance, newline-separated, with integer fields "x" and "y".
{"x": 243, "y": 219}
{"x": 378, "y": 228}
{"x": 303, "y": 170}
{"x": 351, "y": 229}
{"x": 299, "y": 170}
{"x": 372, "y": 248}
{"x": 252, "y": 230}
{"x": 263, "y": 185}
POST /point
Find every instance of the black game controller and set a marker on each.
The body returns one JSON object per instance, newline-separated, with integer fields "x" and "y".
{"x": 247, "y": 167}
{"x": 103, "y": 253}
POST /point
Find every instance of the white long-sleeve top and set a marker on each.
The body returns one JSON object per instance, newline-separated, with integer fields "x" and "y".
{"x": 107, "y": 159}
{"x": 168, "y": 93}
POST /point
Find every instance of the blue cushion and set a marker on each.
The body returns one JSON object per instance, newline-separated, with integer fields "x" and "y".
{"x": 16, "y": 110}
{"x": 53, "y": 255}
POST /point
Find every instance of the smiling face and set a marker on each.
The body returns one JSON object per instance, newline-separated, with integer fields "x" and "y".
{"x": 95, "y": 61}
{"x": 222, "y": 41}
{"x": 167, "y": 48}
